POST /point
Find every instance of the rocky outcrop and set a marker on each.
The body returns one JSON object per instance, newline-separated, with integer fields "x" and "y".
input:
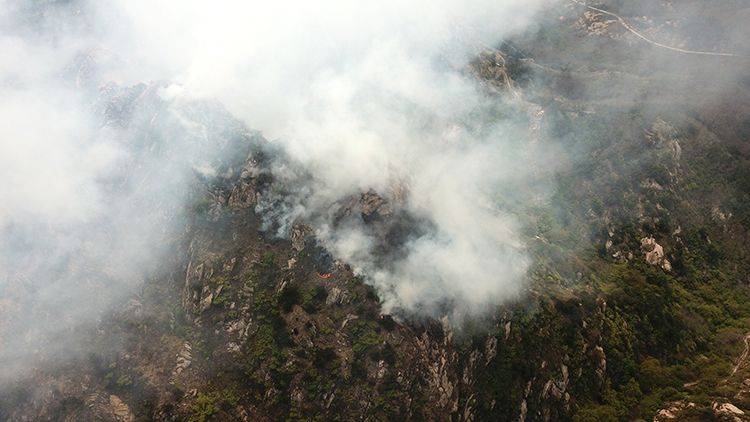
{"x": 109, "y": 408}
{"x": 654, "y": 253}
{"x": 302, "y": 235}
{"x": 441, "y": 376}
{"x": 728, "y": 412}
{"x": 665, "y": 137}
{"x": 601, "y": 362}
{"x": 672, "y": 411}
{"x": 597, "y": 24}
{"x": 184, "y": 359}
{"x": 120, "y": 410}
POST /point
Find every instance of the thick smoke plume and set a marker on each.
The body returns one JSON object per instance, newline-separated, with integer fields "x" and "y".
{"x": 99, "y": 144}
{"x": 367, "y": 97}
{"x": 95, "y": 178}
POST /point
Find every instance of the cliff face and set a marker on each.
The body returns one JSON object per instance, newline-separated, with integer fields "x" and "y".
{"x": 636, "y": 301}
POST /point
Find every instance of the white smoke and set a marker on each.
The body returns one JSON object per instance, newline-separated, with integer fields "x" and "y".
{"x": 359, "y": 95}
{"x": 364, "y": 96}
{"x": 94, "y": 178}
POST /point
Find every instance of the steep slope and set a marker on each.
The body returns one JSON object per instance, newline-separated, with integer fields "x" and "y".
{"x": 635, "y": 307}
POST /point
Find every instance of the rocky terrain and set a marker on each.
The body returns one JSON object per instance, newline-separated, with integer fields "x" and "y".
{"x": 636, "y": 305}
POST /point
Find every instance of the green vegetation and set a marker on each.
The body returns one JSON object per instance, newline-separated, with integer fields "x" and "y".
{"x": 209, "y": 404}
{"x": 313, "y": 298}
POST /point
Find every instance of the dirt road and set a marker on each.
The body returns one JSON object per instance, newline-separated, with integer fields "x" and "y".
{"x": 635, "y": 32}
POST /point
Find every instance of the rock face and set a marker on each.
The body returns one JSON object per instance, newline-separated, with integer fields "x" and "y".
{"x": 664, "y": 136}
{"x": 301, "y": 235}
{"x": 120, "y": 410}
{"x": 594, "y": 23}
{"x": 673, "y": 411}
{"x": 654, "y": 253}
{"x": 109, "y": 408}
{"x": 601, "y": 362}
{"x": 728, "y": 412}
{"x": 184, "y": 359}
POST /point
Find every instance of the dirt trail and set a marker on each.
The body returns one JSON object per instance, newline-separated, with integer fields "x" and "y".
{"x": 652, "y": 42}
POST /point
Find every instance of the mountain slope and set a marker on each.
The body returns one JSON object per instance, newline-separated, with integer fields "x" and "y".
{"x": 635, "y": 304}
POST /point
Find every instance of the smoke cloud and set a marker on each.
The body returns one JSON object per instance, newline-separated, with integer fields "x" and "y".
{"x": 371, "y": 97}
{"x": 95, "y": 179}
{"x": 383, "y": 141}
{"x": 367, "y": 97}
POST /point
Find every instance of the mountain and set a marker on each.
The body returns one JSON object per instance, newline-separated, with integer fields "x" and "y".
{"x": 633, "y": 209}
